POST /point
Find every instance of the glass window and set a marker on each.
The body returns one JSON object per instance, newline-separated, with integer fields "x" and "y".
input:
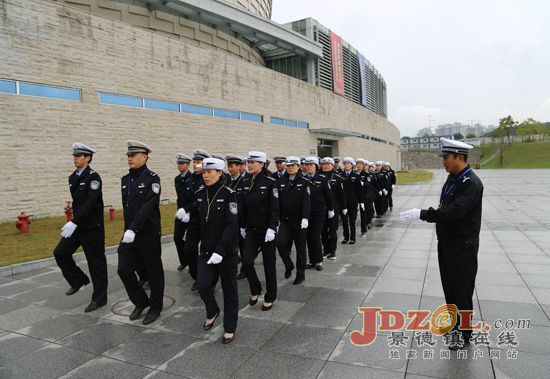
{"x": 162, "y": 105}
{"x": 290, "y": 123}
{"x": 128, "y": 101}
{"x": 252, "y": 117}
{"x": 33, "y": 89}
{"x": 7, "y": 86}
{"x": 276, "y": 120}
{"x": 304, "y": 125}
{"x": 219, "y": 112}
{"x": 196, "y": 109}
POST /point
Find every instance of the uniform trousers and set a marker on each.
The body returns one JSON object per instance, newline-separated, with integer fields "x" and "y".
{"x": 179, "y": 240}
{"x": 329, "y": 234}
{"x": 348, "y": 222}
{"x": 254, "y": 240}
{"x": 314, "y": 245}
{"x": 291, "y": 231}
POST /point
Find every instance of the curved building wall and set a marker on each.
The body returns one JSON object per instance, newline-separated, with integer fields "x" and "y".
{"x": 260, "y": 7}
{"x": 45, "y": 42}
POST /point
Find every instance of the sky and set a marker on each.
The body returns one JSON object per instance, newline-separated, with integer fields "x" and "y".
{"x": 446, "y": 61}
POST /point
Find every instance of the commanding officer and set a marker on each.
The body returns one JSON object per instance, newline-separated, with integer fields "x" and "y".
{"x": 141, "y": 241}
{"x": 218, "y": 211}
{"x": 193, "y": 230}
{"x": 294, "y": 204}
{"x": 259, "y": 219}
{"x": 330, "y": 229}
{"x": 86, "y": 229}
{"x": 322, "y": 206}
{"x": 185, "y": 194}
{"x": 353, "y": 190}
{"x": 280, "y": 165}
{"x": 457, "y": 222}
{"x": 392, "y": 180}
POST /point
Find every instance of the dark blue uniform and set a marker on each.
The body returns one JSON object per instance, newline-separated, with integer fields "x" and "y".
{"x": 87, "y": 207}
{"x": 322, "y": 201}
{"x": 185, "y": 193}
{"x": 353, "y": 189}
{"x": 330, "y": 230}
{"x": 193, "y": 237}
{"x": 140, "y": 200}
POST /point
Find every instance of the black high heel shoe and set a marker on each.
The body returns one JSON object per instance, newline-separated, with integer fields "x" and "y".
{"x": 253, "y": 302}
{"x": 208, "y": 326}
{"x": 267, "y": 307}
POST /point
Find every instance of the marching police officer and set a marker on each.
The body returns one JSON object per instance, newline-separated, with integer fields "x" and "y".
{"x": 294, "y": 204}
{"x": 380, "y": 203}
{"x": 280, "y": 165}
{"x": 322, "y": 207}
{"x": 368, "y": 196}
{"x": 185, "y": 195}
{"x": 353, "y": 190}
{"x": 218, "y": 214}
{"x": 86, "y": 229}
{"x": 392, "y": 181}
{"x": 330, "y": 229}
{"x": 259, "y": 220}
{"x": 457, "y": 222}
{"x": 235, "y": 182}
{"x": 141, "y": 241}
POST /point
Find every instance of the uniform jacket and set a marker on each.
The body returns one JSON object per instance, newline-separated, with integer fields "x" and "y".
{"x": 353, "y": 188}
{"x": 184, "y": 190}
{"x": 259, "y": 203}
{"x": 87, "y": 199}
{"x": 337, "y": 188}
{"x": 321, "y": 196}
{"x": 294, "y": 198}
{"x": 140, "y": 200}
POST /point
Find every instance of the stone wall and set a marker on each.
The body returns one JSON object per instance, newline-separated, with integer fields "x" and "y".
{"x": 46, "y": 42}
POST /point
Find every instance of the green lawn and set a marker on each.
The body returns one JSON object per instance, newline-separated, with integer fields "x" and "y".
{"x": 519, "y": 155}
{"x": 44, "y": 234}
{"x": 412, "y": 176}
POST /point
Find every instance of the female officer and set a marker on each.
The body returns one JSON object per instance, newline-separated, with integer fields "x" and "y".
{"x": 217, "y": 258}
{"x": 259, "y": 219}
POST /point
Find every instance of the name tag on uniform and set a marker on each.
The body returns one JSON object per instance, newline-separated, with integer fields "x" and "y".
{"x": 199, "y": 200}
{"x": 82, "y": 184}
{"x": 263, "y": 187}
{"x": 141, "y": 185}
{"x": 317, "y": 182}
{"x": 282, "y": 185}
{"x": 220, "y": 200}
{"x": 299, "y": 185}
{"x": 123, "y": 187}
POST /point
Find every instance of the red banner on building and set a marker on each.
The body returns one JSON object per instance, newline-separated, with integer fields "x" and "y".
{"x": 337, "y": 64}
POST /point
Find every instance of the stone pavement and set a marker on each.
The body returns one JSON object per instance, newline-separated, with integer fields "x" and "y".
{"x": 44, "y": 333}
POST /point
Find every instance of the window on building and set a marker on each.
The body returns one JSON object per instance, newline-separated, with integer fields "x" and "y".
{"x": 43, "y": 90}
{"x": 219, "y": 112}
{"x": 7, "y": 86}
{"x": 252, "y": 117}
{"x": 196, "y": 109}
{"x": 114, "y": 99}
{"x": 276, "y": 120}
{"x": 162, "y": 105}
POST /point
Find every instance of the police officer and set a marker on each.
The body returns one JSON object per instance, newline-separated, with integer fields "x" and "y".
{"x": 218, "y": 214}
{"x": 457, "y": 222}
{"x": 235, "y": 182}
{"x": 337, "y": 167}
{"x": 185, "y": 194}
{"x": 380, "y": 202}
{"x": 392, "y": 181}
{"x": 294, "y": 204}
{"x": 369, "y": 200}
{"x": 330, "y": 229}
{"x": 353, "y": 190}
{"x": 141, "y": 241}
{"x": 86, "y": 229}
{"x": 280, "y": 165}
{"x": 191, "y": 248}
{"x": 259, "y": 220}
{"x": 321, "y": 208}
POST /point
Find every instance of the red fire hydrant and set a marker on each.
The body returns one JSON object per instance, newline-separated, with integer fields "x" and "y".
{"x": 23, "y": 221}
{"x": 69, "y": 211}
{"x": 111, "y": 213}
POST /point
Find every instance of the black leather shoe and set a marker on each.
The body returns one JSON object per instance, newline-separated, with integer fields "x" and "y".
{"x": 75, "y": 289}
{"x": 209, "y": 326}
{"x": 332, "y": 256}
{"x": 319, "y": 267}
{"x": 351, "y": 242}
{"x": 288, "y": 273}
{"x": 93, "y": 306}
{"x": 241, "y": 276}
{"x": 344, "y": 242}
{"x": 194, "y": 287}
{"x": 150, "y": 317}
{"x": 181, "y": 267}
{"x": 225, "y": 340}
{"x": 308, "y": 266}
{"x": 267, "y": 308}
{"x": 253, "y": 302}
{"x": 298, "y": 281}
{"x": 136, "y": 313}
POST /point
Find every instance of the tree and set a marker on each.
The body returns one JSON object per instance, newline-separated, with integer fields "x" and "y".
{"x": 505, "y": 128}
{"x": 529, "y": 128}
{"x": 458, "y": 136}
{"x": 471, "y": 135}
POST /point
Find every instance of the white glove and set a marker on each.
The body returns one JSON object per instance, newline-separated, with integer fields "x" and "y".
{"x": 393, "y": 186}
{"x": 68, "y": 229}
{"x": 331, "y": 214}
{"x": 385, "y": 191}
{"x": 305, "y": 223}
{"x": 345, "y": 211}
{"x": 380, "y": 193}
{"x": 410, "y": 215}
{"x": 269, "y": 235}
{"x": 243, "y": 232}
{"x": 180, "y": 213}
{"x": 362, "y": 205}
{"x": 214, "y": 259}
{"x": 186, "y": 217}
{"x": 129, "y": 236}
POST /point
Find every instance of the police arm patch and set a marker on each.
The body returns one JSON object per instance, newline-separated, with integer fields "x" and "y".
{"x": 94, "y": 184}
{"x": 155, "y": 187}
{"x": 233, "y": 208}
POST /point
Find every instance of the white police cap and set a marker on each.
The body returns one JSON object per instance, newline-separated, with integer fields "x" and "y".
{"x": 258, "y": 156}
{"x": 348, "y": 159}
{"x": 449, "y": 146}
{"x": 313, "y": 160}
{"x": 360, "y": 160}
{"x": 80, "y": 148}
{"x": 292, "y": 160}
{"x": 327, "y": 160}
{"x": 212, "y": 164}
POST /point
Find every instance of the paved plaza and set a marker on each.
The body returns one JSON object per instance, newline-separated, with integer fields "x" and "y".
{"x": 45, "y": 334}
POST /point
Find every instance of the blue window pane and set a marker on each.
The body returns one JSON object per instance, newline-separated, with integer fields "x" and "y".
{"x": 111, "y": 98}
{"x": 32, "y": 89}
{"x": 218, "y": 112}
{"x": 304, "y": 125}
{"x": 163, "y": 105}
{"x": 290, "y": 123}
{"x": 7, "y": 86}
{"x": 196, "y": 109}
{"x": 251, "y": 117}
{"x": 276, "y": 121}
